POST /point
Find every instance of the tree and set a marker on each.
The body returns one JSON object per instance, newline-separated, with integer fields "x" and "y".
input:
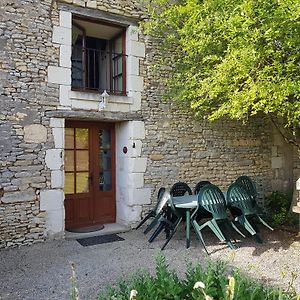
{"x": 233, "y": 58}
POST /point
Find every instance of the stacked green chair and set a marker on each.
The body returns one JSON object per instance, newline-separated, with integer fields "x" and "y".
{"x": 180, "y": 189}
{"x": 240, "y": 204}
{"x": 159, "y": 211}
{"x": 249, "y": 186}
{"x": 169, "y": 221}
{"x": 173, "y": 217}
{"x": 200, "y": 185}
{"x": 202, "y": 213}
{"x": 153, "y": 212}
{"x": 212, "y": 200}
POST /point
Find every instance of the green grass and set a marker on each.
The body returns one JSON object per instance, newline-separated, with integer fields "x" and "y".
{"x": 165, "y": 284}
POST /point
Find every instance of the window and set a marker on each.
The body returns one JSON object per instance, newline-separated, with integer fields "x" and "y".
{"x": 98, "y": 57}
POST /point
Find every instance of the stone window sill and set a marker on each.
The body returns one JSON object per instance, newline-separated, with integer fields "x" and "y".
{"x": 95, "y": 97}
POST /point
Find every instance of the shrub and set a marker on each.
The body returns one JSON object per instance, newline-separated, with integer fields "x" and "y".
{"x": 278, "y": 205}
{"x": 211, "y": 282}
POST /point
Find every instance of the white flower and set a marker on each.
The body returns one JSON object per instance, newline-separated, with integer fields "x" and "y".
{"x": 199, "y": 285}
{"x": 133, "y": 294}
{"x": 208, "y": 297}
{"x": 230, "y": 287}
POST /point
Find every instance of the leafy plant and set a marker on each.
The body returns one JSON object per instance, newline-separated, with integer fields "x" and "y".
{"x": 200, "y": 283}
{"x": 278, "y": 205}
{"x": 233, "y": 58}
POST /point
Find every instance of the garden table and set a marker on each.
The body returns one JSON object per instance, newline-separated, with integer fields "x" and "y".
{"x": 188, "y": 203}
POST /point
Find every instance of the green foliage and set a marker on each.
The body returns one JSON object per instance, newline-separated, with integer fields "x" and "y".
{"x": 165, "y": 284}
{"x": 232, "y": 58}
{"x": 278, "y": 205}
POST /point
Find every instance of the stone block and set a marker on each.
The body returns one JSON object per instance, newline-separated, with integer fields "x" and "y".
{"x": 65, "y": 19}
{"x": 57, "y": 123}
{"x": 132, "y": 33}
{"x": 136, "y": 150}
{"x": 35, "y": 133}
{"x": 59, "y": 137}
{"x": 136, "y": 180}
{"x": 276, "y": 162}
{"x": 274, "y": 150}
{"x": 51, "y": 200}
{"x": 64, "y": 98}
{"x": 65, "y": 56}
{"x": 136, "y": 100}
{"x": 62, "y": 35}
{"x": 137, "y": 130}
{"x": 91, "y": 3}
{"x": 156, "y": 157}
{"x": 139, "y": 196}
{"x": 137, "y": 165}
{"x": 135, "y": 48}
{"x": 298, "y": 184}
{"x": 59, "y": 75}
{"x": 83, "y": 104}
{"x": 133, "y": 65}
{"x": 54, "y": 159}
{"x": 57, "y": 179}
{"x": 135, "y": 83}
{"x": 79, "y": 2}
{"x": 55, "y": 222}
{"x": 128, "y": 214}
{"x": 24, "y": 196}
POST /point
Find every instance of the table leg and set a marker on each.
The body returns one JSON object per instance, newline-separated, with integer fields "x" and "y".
{"x": 188, "y": 226}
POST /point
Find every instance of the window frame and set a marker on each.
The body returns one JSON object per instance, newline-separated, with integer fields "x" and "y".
{"x": 122, "y": 34}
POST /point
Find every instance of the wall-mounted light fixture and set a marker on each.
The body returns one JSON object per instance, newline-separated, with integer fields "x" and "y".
{"x": 103, "y": 100}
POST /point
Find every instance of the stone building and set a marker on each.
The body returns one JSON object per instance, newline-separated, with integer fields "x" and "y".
{"x": 85, "y": 136}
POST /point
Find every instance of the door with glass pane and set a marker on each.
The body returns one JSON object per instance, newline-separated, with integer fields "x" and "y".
{"x": 89, "y": 174}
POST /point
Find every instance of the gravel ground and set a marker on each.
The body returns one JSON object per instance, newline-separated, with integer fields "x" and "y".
{"x": 42, "y": 271}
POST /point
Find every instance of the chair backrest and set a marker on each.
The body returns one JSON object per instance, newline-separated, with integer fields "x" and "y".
{"x": 162, "y": 200}
{"x": 212, "y": 199}
{"x": 249, "y": 186}
{"x": 179, "y": 189}
{"x": 200, "y": 185}
{"x": 238, "y": 197}
{"x": 160, "y": 193}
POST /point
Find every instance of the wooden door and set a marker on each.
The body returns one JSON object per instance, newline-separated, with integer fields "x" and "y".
{"x": 89, "y": 174}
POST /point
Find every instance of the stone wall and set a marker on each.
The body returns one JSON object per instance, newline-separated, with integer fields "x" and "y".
{"x": 25, "y": 52}
{"x": 176, "y": 146}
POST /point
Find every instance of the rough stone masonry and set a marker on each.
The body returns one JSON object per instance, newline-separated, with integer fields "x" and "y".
{"x": 177, "y": 147}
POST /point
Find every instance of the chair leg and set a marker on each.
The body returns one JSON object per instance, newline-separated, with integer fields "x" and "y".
{"x": 199, "y": 235}
{"x": 264, "y": 222}
{"x": 144, "y": 220}
{"x": 237, "y": 230}
{"x": 157, "y": 231}
{"x": 258, "y": 238}
{"x": 172, "y": 233}
{"x": 212, "y": 224}
{"x": 228, "y": 229}
{"x": 152, "y": 224}
{"x": 243, "y": 221}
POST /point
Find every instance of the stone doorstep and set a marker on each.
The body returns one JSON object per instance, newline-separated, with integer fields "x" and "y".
{"x": 296, "y": 209}
{"x": 108, "y": 229}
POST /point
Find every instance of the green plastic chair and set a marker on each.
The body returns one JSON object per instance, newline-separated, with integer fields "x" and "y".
{"x": 249, "y": 186}
{"x": 179, "y": 189}
{"x": 159, "y": 211}
{"x": 200, "y": 185}
{"x": 212, "y": 200}
{"x": 168, "y": 221}
{"x": 241, "y": 206}
{"x": 153, "y": 212}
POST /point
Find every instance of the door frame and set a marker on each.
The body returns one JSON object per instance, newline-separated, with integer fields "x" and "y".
{"x": 93, "y": 169}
